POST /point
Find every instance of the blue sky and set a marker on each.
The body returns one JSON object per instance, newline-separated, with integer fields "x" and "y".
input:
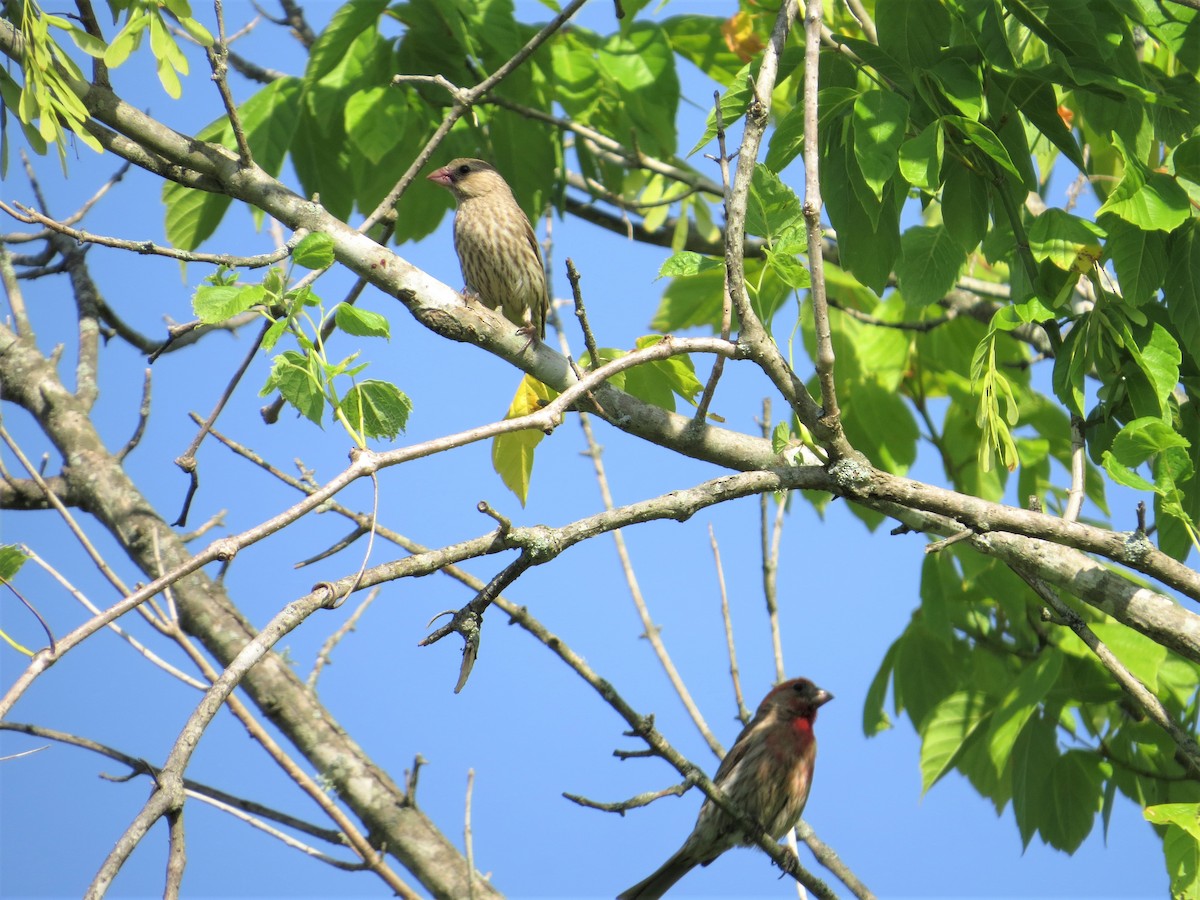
{"x": 527, "y": 726}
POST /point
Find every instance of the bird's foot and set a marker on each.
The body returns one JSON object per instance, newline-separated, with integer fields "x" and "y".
{"x": 530, "y": 334}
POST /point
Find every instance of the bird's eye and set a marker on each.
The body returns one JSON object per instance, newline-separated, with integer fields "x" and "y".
{"x": 464, "y": 169}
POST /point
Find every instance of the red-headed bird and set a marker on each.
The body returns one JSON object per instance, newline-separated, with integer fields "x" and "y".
{"x": 767, "y": 773}
{"x": 497, "y": 249}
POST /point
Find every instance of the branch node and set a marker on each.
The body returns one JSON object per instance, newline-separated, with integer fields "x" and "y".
{"x": 486, "y": 509}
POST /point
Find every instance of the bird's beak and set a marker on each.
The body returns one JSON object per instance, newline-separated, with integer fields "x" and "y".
{"x": 441, "y": 176}
{"x": 823, "y": 697}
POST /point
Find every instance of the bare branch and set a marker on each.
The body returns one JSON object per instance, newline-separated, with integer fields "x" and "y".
{"x": 25, "y": 214}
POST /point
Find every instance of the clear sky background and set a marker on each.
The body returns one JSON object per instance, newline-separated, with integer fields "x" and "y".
{"x": 528, "y": 726}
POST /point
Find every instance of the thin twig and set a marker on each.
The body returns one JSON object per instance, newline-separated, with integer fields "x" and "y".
{"x": 30, "y": 216}
{"x": 187, "y": 461}
{"x": 1075, "y": 493}
{"x": 734, "y": 672}
{"x": 812, "y": 214}
{"x": 771, "y": 537}
{"x": 864, "y": 19}
{"x": 87, "y": 604}
{"x": 649, "y": 630}
{"x": 143, "y": 417}
{"x": 325, "y": 653}
{"x": 74, "y": 527}
{"x": 589, "y": 339}
{"x": 1145, "y": 700}
{"x": 828, "y": 857}
{"x": 633, "y": 158}
{"x": 468, "y": 837}
{"x": 464, "y": 99}
{"x": 167, "y": 798}
{"x": 643, "y": 727}
{"x": 710, "y": 386}
{"x": 217, "y": 55}
{"x": 16, "y": 298}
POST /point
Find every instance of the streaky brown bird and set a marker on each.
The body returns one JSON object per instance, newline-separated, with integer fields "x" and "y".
{"x": 497, "y": 249}
{"x": 767, "y": 773}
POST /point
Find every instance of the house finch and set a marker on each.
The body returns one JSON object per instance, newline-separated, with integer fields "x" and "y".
{"x": 767, "y": 773}
{"x": 497, "y": 249}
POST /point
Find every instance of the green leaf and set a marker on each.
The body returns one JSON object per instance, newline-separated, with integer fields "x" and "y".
{"x": 1074, "y": 798}
{"x": 216, "y": 303}
{"x": 772, "y": 209}
{"x": 677, "y": 371}
{"x": 1034, "y": 756}
{"x": 921, "y": 158}
{"x": 787, "y": 140}
{"x": 578, "y": 80}
{"x": 880, "y": 121}
{"x": 732, "y": 104}
{"x": 915, "y": 30}
{"x": 192, "y": 215}
{"x": 924, "y": 673}
{"x": 315, "y": 251}
{"x": 880, "y": 423}
{"x": 649, "y": 384}
{"x": 1181, "y": 287}
{"x": 376, "y": 408}
{"x": 946, "y": 731}
{"x": 875, "y": 717}
{"x": 689, "y": 302}
{"x": 986, "y": 140}
{"x": 1142, "y": 438}
{"x": 168, "y": 78}
{"x": 1185, "y": 160}
{"x": 1070, "y": 365}
{"x": 1035, "y": 97}
{"x": 348, "y": 22}
{"x": 11, "y": 560}
{"x": 642, "y": 68}
{"x": 735, "y": 98}
{"x": 929, "y": 263}
{"x": 361, "y": 322}
{"x": 868, "y": 236}
{"x": 959, "y": 81}
{"x": 1139, "y": 257}
{"x": 1059, "y": 237}
{"x": 269, "y": 119}
{"x": 1181, "y": 845}
{"x": 1152, "y": 201}
{"x": 1159, "y": 358}
{"x": 375, "y": 122}
{"x": 1183, "y": 815}
{"x": 1021, "y": 702}
{"x": 698, "y": 39}
{"x": 787, "y": 265}
{"x": 1140, "y": 655}
{"x": 273, "y": 334}
{"x": 292, "y": 375}
{"x": 686, "y": 263}
{"x": 964, "y": 206}
{"x": 1124, "y": 475}
{"x": 1012, "y": 134}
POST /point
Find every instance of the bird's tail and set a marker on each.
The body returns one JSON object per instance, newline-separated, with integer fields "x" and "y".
{"x": 664, "y": 877}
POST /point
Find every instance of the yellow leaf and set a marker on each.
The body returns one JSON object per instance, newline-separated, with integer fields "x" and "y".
{"x": 512, "y": 453}
{"x": 738, "y": 31}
